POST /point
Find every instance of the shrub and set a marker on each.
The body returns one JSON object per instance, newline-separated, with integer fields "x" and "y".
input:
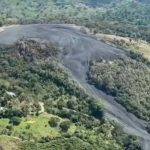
{"x": 15, "y": 121}
{"x": 65, "y": 125}
{"x": 96, "y": 110}
{"x": 53, "y": 122}
{"x": 9, "y": 127}
{"x": 28, "y": 126}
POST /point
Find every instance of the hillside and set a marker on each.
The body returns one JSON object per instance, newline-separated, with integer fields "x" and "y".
{"x": 74, "y": 75}
{"x": 124, "y": 18}
{"x": 127, "y": 80}
{"x": 69, "y": 118}
{"x": 131, "y": 44}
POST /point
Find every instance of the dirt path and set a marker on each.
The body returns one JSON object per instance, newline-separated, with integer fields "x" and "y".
{"x": 42, "y": 107}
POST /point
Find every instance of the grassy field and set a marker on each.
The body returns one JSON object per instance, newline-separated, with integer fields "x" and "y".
{"x": 129, "y": 43}
{"x": 34, "y": 127}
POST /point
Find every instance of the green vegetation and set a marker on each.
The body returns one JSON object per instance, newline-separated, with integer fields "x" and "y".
{"x": 53, "y": 122}
{"x": 15, "y": 121}
{"x": 137, "y": 46}
{"x": 65, "y": 126}
{"x": 124, "y": 18}
{"x": 130, "y": 19}
{"x": 35, "y": 127}
{"x": 41, "y": 107}
{"x": 32, "y": 78}
{"x": 9, "y": 143}
{"x": 128, "y": 80}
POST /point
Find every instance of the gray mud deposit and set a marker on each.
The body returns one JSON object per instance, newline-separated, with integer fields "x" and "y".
{"x": 77, "y": 49}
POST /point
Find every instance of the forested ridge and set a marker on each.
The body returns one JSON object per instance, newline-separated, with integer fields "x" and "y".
{"x": 124, "y": 18}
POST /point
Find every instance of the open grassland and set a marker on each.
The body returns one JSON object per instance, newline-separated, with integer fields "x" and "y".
{"x": 35, "y": 127}
{"x": 140, "y": 46}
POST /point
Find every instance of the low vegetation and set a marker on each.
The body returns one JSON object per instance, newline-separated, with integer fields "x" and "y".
{"x": 70, "y": 118}
{"x": 137, "y": 46}
{"x": 35, "y": 127}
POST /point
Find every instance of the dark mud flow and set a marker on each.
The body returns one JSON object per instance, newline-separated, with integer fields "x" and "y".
{"x": 77, "y": 49}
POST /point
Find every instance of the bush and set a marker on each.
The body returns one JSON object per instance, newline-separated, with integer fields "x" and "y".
{"x": 13, "y": 112}
{"x": 15, "y": 121}
{"x": 9, "y": 127}
{"x": 53, "y": 122}
{"x": 132, "y": 143}
{"x": 71, "y": 104}
{"x": 96, "y": 110}
{"x": 28, "y": 126}
{"x": 65, "y": 125}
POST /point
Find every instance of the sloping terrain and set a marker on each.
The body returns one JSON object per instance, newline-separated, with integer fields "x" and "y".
{"x": 46, "y": 96}
{"x": 43, "y": 108}
{"x": 77, "y": 50}
{"x": 122, "y": 17}
{"x": 139, "y": 46}
{"x": 127, "y": 80}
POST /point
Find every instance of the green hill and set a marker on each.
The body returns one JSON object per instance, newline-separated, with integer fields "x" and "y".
{"x": 32, "y": 76}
